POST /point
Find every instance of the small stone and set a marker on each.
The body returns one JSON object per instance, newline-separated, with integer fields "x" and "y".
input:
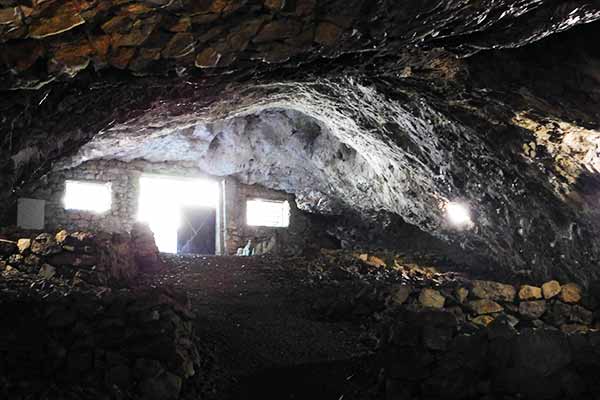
{"x": 47, "y": 271}
{"x": 180, "y": 45}
{"x": 208, "y": 58}
{"x": 44, "y": 244}
{"x": 527, "y": 292}
{"x": 431, "y": 298}
{"x": 327, "y": 33}
{"x": 462, "y": 294}
{"x": 485, "y": 306}
{"x": 32, "y": 260}
{"x": 274, "y": 5}
{"x": 399, "y": 294}
{"x": 483, "y": 320}
{"x": 55, "y": 25}
{"x": 10, "y": 270}
{"x": 375, "y": 261}
{"x": 532, "y": 309}
{"x": 23, "y": 245}
{"x": 581, "y": 315}
{"x": 550, "y": 289}
{"x": 570, "y": 293}
{"x": 61, "y": 236}
{"x": 574, "y": 328}
{"x": 493, "y": 291}
{"x": 501, "y": 327}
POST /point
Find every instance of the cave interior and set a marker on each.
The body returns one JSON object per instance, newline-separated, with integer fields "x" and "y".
{"x": 227, "y": 199}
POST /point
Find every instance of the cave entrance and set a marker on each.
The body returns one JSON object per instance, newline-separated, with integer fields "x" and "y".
{"x": 182, "y": 213}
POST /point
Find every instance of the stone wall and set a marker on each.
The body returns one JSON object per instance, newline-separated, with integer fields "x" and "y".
{"x": 124, "y": 180}
{"x": 489, "y": 340}
{"x": 304, "y": 230}
{"x": 90, "y": 342}
{"x": 97, "y": 258}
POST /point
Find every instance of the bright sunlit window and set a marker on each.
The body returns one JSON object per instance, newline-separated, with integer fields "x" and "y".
{"x": 87, "y": 196}
{"x": 268, "y": 213}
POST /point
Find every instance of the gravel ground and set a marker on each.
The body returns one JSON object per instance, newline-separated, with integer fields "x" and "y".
{"x": 256, "y": 314}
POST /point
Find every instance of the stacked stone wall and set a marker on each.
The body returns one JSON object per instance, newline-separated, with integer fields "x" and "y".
{"x": 291, "y": 240}
{"x": 124, "y": 180}
{"x": 89, "y": 342}
{"x": 488, "y": 340}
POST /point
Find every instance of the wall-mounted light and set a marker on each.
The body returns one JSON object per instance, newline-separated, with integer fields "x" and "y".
{"x": 458, "y": 214}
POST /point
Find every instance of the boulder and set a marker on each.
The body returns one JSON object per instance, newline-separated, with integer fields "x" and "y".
{"x": 490, "y": 290}
{"x": 431, "y": 298}
{"x": 532, "y": 309}
{"x": 485, "y": 306}
{"x": 570, "y": 293}
{"x": 527, "y": 292}
{"x": 550, "y": 289}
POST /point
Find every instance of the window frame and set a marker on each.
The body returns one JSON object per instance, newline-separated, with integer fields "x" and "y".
{"x": 286, "y": 212}
{"x": 82, "y": 182}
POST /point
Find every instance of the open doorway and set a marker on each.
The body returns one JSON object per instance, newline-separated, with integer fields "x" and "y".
{"x": 181, "y": 212}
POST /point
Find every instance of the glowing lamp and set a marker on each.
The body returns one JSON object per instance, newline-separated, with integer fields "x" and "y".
{"x": 458, "y": 214}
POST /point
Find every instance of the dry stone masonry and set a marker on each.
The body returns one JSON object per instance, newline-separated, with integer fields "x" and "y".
{"x": 104, "y": 333}
{"x": 442, "y": 335}
{"x": 303, "y": 232}
{"x": 97, "y": 258}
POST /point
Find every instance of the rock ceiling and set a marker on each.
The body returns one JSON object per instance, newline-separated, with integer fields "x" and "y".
{"x": 401, "y": 107}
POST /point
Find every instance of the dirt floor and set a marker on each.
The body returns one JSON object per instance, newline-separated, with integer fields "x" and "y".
{"x": 258, "y": 316}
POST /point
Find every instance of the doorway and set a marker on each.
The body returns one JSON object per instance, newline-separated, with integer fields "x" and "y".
{"x": 181, "y": 212}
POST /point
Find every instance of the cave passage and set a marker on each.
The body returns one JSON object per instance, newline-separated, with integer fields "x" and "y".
{"x": 325, "y": 199}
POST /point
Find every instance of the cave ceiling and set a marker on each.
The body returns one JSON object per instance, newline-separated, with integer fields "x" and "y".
{"x": 376, "y": 106}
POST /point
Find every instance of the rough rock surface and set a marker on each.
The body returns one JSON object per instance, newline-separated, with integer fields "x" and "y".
{"x": 408, "y": 105}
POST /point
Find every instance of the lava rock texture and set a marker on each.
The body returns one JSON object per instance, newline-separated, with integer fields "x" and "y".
{"x": 381, "y": 107}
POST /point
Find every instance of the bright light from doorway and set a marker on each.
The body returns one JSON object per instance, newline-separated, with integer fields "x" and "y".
{"x": 268, "y": 213}
{"x": 458, "y": 214}
{"x": 87, "y": 196}
{"x": 161, "y": 202}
